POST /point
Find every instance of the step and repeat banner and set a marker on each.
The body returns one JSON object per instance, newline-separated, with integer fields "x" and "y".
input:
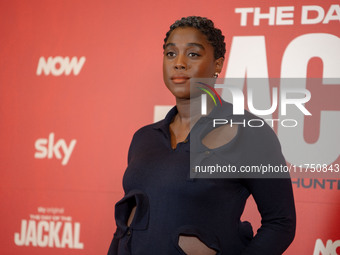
{"x": 78, "y": 78}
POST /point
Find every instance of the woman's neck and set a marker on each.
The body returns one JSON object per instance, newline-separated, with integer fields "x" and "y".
{"x": 189, "y": 111}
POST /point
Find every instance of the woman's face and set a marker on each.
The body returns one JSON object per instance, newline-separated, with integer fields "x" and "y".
{"x": 188, "y": 54}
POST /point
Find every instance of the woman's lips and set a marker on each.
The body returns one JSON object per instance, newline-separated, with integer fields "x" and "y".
{"x": 179, "y": 79}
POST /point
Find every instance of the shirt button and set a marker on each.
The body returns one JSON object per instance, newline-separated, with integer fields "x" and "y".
{"x": 207, "y": 152}
{"x": 129, "y": 232}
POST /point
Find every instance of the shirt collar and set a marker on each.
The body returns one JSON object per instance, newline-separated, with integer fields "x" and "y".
{"x": 219, "y": 111}
{"x": 167, "y": 120}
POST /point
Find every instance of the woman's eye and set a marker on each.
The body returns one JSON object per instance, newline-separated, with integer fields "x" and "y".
{"x": 193, "y": 54}
{"x": 170, "y": 54}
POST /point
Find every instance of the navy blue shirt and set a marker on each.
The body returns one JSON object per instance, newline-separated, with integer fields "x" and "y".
{"x": 169, "y": 203}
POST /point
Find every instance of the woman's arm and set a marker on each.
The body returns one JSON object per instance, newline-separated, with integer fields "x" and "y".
{"x": 275, "y": 202}
{"x": 273, "y": 194}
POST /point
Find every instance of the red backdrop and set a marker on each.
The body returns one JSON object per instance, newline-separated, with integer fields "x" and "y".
{"x": 77, "y": 78}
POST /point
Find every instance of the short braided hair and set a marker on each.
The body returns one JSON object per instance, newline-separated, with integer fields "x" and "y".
{"x": 206, "y": 26}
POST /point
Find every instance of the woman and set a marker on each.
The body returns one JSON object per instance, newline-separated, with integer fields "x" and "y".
{"x": 164, "y": 211}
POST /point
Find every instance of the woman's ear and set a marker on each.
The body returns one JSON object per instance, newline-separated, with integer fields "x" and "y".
{"x": 219, "y": 64}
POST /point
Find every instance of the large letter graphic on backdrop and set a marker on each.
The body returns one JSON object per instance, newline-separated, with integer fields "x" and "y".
{"x": 329, "y": 248}
{"x": 248, "y": 58}
{"x": 294, "y": 65}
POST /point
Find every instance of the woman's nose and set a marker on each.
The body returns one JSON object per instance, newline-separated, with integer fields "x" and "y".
{"x": 180, "y": 63}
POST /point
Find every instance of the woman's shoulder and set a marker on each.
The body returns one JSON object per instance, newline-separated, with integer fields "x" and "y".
{"x": 150, "y": 128}
{"x": 159, "y": 126}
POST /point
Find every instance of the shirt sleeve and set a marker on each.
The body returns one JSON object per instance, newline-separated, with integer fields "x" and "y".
{"x": 273, "y": 196}
{"x": 275, "y": 202}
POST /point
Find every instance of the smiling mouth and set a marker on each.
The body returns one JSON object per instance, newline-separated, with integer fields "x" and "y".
{"x": 179, "y": 79}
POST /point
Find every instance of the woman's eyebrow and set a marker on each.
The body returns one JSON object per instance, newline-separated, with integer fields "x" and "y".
{"x": 188, "y": 44}
{"x": 196, "y": 44}
{"x": 169, "y": 44}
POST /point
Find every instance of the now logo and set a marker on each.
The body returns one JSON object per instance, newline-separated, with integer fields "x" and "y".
{"x": 47, "y": 148}
{"x": 60, "y": 65}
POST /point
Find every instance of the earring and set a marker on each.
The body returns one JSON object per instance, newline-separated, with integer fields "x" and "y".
{"x": 216, "y": 75}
